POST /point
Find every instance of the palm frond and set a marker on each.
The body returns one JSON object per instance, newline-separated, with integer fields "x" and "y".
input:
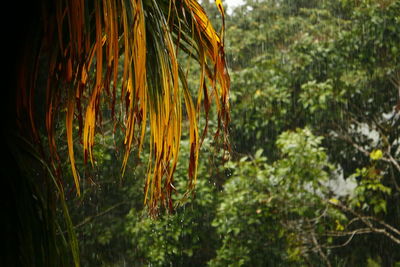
{"x": 83, "y": 43}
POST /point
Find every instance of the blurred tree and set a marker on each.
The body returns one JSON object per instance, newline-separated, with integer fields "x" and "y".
{"x": 273, "y": 209}
{"x": 331, "y": 66}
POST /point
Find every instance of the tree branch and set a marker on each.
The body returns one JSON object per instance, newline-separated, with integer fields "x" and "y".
{"x": 90, "y": 218}
{"x": 318, "y": 246}
{"x": 368, "y": 223}
{"x": 352, "y": 234}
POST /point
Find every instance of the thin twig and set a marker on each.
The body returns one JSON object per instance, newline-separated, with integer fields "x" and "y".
{"x": 90, "y": 218}
{"x": 352, "y": 234}
{"x": 318, "y": 247}
{"x": 367, "y": 222}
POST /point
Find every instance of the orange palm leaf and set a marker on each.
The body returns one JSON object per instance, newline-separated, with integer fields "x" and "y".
{"x": 83, "y": 42}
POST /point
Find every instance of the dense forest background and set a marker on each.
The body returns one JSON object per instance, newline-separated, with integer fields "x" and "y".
{"x": 313, "y": 173}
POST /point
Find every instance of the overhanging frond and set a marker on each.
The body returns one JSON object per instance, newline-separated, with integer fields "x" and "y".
{"x": 85, "y": 41}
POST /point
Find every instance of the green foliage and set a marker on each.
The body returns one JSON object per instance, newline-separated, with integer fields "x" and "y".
{"x": 44, "y": 236}
{"x": 370, "y": 193}
{"x": 314, "y": 100}
{"x": 314, "y": 95}
{"x": 246, "y": 218}
{"x": 183, "y": 237}
{"x": 178, "y": 239}
{"x": 263, "y": 207}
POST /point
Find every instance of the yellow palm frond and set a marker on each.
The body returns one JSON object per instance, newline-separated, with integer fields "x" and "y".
{"x": 83, "y": 42}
